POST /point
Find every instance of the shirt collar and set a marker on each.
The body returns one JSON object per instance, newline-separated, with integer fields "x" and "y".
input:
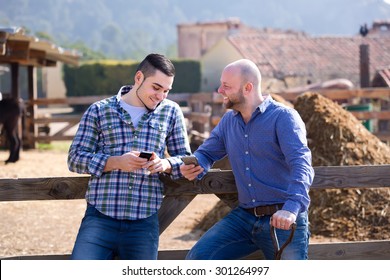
{"x": 125, "y": 89}
{"x": 263, "y": 105}
{"x": 266, "y": 102}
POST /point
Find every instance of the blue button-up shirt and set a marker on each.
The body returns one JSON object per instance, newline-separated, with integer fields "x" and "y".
{"x": 269, "y": 156}
{"x": 106, "y": 130}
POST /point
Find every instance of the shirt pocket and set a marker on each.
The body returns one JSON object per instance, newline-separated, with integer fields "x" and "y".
{"x": 158, "y": 133}
{"x": 115, "y": 134}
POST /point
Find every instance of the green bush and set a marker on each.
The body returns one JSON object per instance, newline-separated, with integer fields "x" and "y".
{"x": 106, "y": 79}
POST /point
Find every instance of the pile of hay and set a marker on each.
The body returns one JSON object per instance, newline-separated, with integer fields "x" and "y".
{"x": 336, "y": 138}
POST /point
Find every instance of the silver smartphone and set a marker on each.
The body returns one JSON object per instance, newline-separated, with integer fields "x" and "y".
{"x": 190, "y": 160}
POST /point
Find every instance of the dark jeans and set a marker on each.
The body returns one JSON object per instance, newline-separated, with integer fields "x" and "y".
{"x": 101, "y": 237}
{"x": 241, "y": 233}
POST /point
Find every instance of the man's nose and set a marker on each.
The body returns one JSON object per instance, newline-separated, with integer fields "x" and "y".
{"x": 161, "y": 95}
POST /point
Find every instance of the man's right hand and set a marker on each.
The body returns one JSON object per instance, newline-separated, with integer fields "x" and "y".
{"x": 127, "y": 162}
{"x": 191, "y": 171}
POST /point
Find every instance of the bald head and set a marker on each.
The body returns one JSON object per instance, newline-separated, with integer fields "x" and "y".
{"x": 248, "y": 72}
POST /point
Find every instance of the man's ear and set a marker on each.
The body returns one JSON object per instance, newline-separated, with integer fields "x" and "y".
{"x": 248, "y": 87}
{"x": 139, "y": 77}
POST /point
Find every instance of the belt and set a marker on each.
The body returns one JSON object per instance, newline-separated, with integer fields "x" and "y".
{"x": 266, "y": 210}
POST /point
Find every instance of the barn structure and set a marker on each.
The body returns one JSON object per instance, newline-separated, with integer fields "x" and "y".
{"x": 20, "y": 50}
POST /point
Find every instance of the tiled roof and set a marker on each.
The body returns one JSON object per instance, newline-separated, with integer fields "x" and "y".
{"x": 297, "y": 54}
{"x": 382, "y": 77}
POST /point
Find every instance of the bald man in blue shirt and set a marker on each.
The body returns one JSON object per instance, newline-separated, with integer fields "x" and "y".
{"x": 267, "y": 148}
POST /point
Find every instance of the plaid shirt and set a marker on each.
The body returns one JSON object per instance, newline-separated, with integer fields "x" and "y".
{"x": 106, "y": 130}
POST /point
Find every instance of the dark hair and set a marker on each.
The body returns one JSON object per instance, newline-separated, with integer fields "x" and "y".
{"x": 154, "y": 62}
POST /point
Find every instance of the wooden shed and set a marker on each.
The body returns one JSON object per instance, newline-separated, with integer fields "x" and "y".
{"x": 18, "y": 49}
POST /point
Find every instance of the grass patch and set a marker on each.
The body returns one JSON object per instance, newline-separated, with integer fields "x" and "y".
{"x": 60, "y": 146}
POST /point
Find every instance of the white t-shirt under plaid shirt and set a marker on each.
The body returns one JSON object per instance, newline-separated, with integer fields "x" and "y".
{"x": 105, "y": 130}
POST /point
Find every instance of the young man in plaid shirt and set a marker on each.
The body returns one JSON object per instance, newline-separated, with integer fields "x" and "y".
{"x": 124, "y": 191}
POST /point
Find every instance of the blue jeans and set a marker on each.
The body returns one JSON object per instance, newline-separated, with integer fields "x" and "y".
{"x": 240, "y": 233}
{"x": 101, "y": 237}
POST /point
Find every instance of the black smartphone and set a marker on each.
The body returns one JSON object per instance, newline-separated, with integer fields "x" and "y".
{"x": 190, "y": 160}
{"x": 146, "y": 155}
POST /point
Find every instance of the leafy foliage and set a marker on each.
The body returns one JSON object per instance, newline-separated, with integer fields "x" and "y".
{"x": 106, "y": 78}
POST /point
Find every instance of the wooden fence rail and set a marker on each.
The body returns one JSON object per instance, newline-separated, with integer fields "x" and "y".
{"x": 178, "y": 194}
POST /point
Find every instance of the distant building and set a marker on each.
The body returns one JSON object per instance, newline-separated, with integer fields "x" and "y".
{"x": 286, "y": 59}
{"x": 380, "y": 27}
{"x": 195, "y": 39}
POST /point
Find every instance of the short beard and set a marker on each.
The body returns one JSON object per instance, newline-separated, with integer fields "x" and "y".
{"x": 137, "y": 93}
{"x": 231, "y": 104}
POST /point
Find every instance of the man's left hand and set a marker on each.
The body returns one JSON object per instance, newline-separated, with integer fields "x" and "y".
{"x": 283, "y": 219}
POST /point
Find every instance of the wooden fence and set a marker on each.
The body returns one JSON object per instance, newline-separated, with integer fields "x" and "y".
{"x": 178, "y": 194}
{"x": 203, "y": 110}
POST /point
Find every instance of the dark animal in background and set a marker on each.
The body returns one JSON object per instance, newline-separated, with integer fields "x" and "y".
{"x": 10, "y": 112}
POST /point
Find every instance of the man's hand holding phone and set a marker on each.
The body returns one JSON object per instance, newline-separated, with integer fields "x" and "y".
{"x": 147, "y": 155}
{"x": 154, "y": 163}
{"x": 191, "y": 168}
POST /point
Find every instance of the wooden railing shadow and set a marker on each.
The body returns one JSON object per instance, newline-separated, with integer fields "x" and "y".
{"x": 179, "y": 193}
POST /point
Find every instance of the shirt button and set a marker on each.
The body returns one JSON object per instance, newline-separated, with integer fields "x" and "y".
{"x": 249, "y": 185}
{"x": 135, "y": 137}
{"x": 246, "y": 152}
{"x": 246, "y": 135}
{"x": 253, "y": 200}
{"x": 247, "y": 168}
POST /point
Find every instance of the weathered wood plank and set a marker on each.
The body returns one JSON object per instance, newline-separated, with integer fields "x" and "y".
{"x": 74, "y": 119}
{"x": 47, "y": 138}
{"x": 339, "y": 94}
{"x": 359, "y": 176}
{"x": 171, "y": 207}
{"x": 75, "y": 100}
{"x": 364, "y": 250}
{"x": 362, "y": 115}
{"x": 361, "y": 250}
{"x": 230, "y": 199}
{"x": 215, "y": 182}
{"x": 43, "y": 188}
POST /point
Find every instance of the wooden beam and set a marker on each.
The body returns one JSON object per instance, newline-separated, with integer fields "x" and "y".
{"x": 31, "y": 129}
{"x": 171, "y": 207}
{"x": 80, "y": 100}
{"x": 17, "y": 50}
{"x": 340, "y": 94}
{"x": 357, "y": 176}
{"x": 72, "y": 119}
{"x": 360, "y": 250}
{"x": 214, "y": 182}
{"x": 363, "y": 115}
{"x": 43, "y": 188}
